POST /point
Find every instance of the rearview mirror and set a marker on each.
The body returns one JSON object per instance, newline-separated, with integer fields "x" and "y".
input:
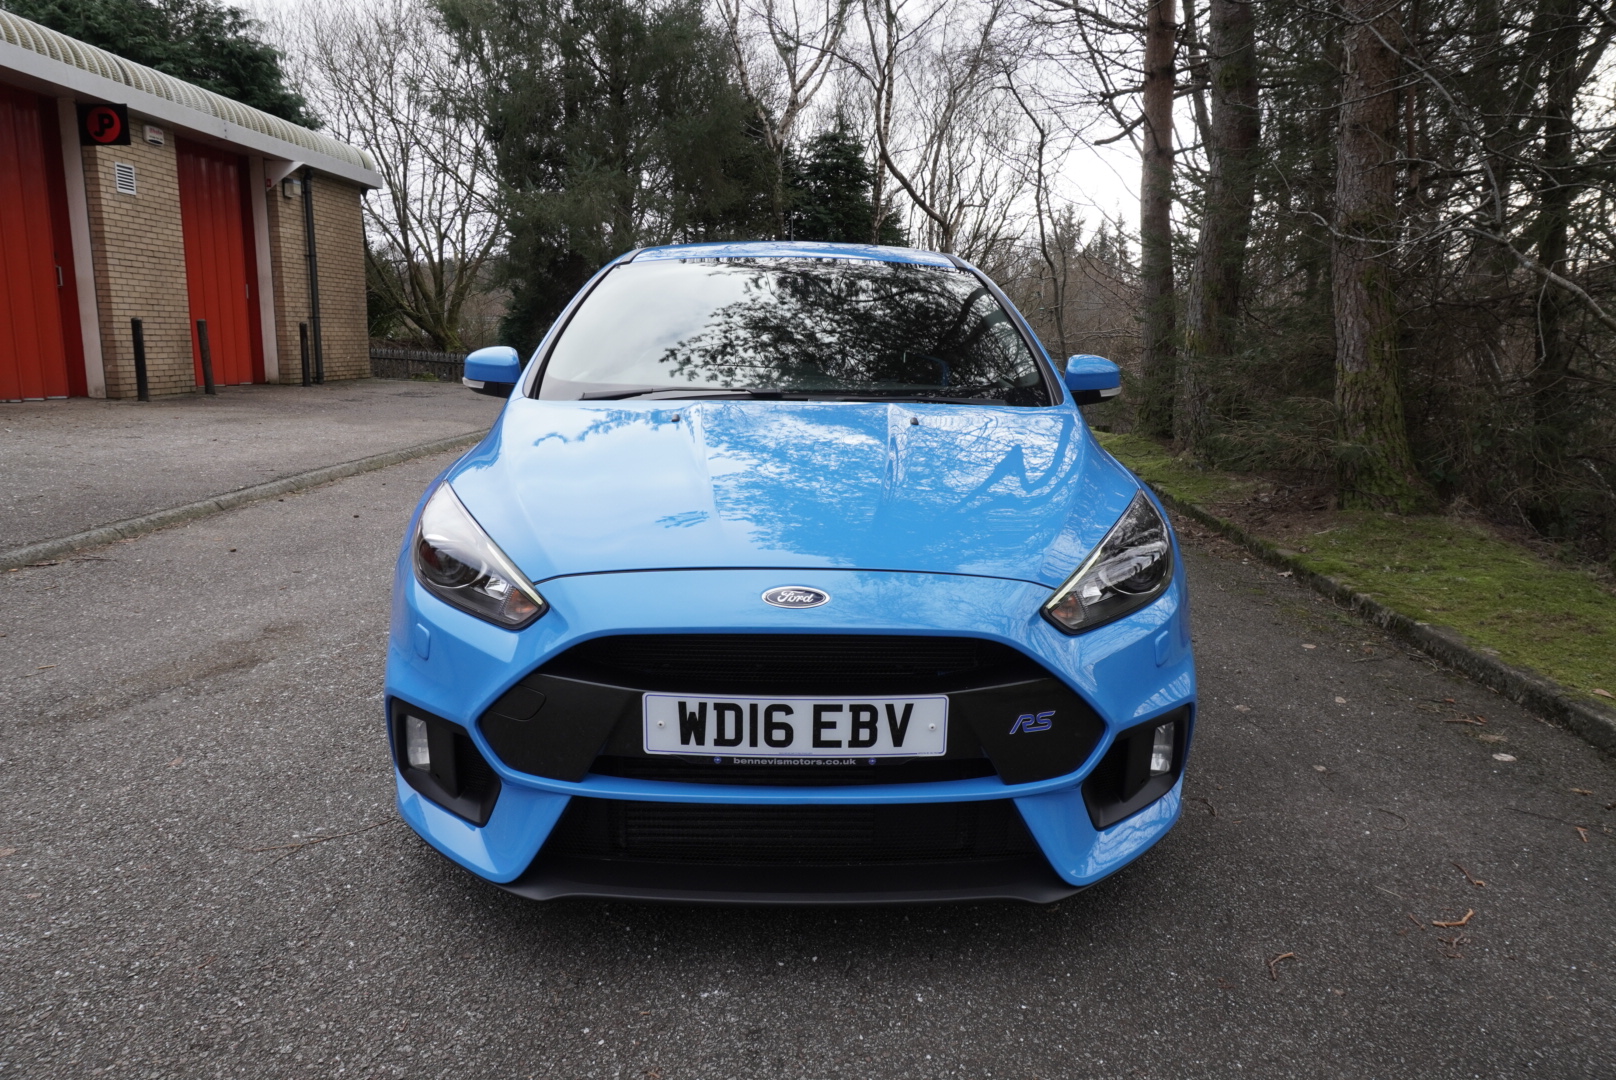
{"x": 1092, "y": 379}
{"x": 493, "y": 371}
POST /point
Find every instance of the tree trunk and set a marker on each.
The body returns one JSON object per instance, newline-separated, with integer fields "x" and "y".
{"x": 1554, "y": 412}
{"x": 1374, "y": 468}
{"x": 1156, "y": 222}
{"x": 1220, "y": 262}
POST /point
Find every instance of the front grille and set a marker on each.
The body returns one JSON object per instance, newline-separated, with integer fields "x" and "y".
{"x": 721, "y": 835}
{"x": 793, "y": 663}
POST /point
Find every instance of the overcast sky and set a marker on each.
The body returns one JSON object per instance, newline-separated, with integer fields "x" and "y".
{"x": 1102, "y": 182}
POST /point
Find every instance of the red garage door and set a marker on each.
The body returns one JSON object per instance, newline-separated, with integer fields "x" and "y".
{"x": 220, "y": 264}
{"x": 41, "y": 354}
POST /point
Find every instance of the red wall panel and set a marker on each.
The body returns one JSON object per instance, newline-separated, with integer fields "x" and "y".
{"x": 220, "y": 262}
{"x": 33, "y": 346}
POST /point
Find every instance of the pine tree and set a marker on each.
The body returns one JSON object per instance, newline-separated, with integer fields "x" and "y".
{"x": 616, "y": 124}
{"x": 831, "y": 193}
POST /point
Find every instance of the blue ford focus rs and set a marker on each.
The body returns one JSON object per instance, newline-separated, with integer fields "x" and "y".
{"x": 790, "y": 573}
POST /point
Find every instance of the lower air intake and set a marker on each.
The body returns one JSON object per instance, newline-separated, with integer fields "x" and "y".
{"x": 724, "y": 835}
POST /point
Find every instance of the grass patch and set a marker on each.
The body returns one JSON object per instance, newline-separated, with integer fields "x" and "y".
{"x": 1158, "y": 466}
{"x": 1532, "y": 613}
{"x": 1553, "y": 619}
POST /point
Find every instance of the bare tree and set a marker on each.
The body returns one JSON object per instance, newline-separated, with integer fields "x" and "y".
{"x": 383, "y": 77}
{"x": 945, "y": 127}
{"x": 784, "y": 51}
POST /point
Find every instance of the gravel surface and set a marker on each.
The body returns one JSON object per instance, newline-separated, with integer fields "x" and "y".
{"x": 67, "y": 466}
{"x": 202, "y": 873}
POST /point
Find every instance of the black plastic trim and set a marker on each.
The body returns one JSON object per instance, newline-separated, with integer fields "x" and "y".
{"x": 558, "y": 719}
{"x": 460, "y": 780}
{"x": 1029, "y": 879}
{"x": 1119, "y": 786}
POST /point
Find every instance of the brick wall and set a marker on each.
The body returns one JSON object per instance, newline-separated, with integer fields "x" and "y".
{"x": 339, "y": 237}
{"x": 339, "y": 231}
{"x": 291, "y": 279}
{"x": 140, "y": 265}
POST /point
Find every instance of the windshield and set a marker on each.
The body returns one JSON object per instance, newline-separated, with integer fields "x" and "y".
{"x": 793, "y": 327}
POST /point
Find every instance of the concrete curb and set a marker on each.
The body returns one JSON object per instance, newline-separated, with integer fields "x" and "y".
{"x": 1532, "y": 691}
{"x": 175, "y": 515}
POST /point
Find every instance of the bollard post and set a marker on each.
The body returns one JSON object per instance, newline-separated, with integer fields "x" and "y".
{"x": 207, "y": 356}
{"x": 303, "y": 341}
{"x": 137, "y": 328}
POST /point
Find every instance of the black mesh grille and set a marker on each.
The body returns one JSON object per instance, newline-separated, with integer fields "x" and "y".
{"x": 902, "y": 771}
{"x": 709, "y": 834}
{"x": 476, "y": 775}
{"x": 792, "y": 663}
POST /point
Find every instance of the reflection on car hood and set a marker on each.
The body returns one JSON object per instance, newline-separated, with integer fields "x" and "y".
{"x": 587, "y": 487}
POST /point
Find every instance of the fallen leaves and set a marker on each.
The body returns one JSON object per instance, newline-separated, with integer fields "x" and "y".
{"x": 1242, "y": 708}
{"x": 1395, "y": 814}
{"x": 1477, "y": 882}
{"x": 1582, "y": 831}
{"x": 1273, "y": 965}
{"x": 1339, "y": 700}
{"x": 1469, "y": 914}
{"x": 1604, "y": 693}
{"x": 1309, "y": 646}
{"x": 1580, "y": 791}
{"x": 1506, "y": 758}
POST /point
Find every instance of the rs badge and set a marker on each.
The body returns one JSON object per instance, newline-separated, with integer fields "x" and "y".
{"x": 1029, "y": 722}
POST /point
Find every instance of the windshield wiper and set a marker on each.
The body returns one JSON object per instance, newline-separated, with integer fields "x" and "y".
{"x": 678, "y": 392}
{"x": 913, "y": 397}
{"x": 682, "y": 391}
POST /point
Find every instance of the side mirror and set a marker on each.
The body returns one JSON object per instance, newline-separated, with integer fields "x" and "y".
{"x": 1093, "y": 379}
{"x": 493, "y": 371}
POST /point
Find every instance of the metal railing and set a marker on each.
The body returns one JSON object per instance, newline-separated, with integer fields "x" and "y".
{"x": 422, "y": 364}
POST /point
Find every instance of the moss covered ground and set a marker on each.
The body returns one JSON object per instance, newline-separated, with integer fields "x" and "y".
{"x": 1529, "y": 611}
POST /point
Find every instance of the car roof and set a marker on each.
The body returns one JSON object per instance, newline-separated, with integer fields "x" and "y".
{"x": 793, "y": 249}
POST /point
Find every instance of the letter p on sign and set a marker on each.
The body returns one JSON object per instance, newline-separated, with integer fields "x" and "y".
{"x": 102, "y": 124}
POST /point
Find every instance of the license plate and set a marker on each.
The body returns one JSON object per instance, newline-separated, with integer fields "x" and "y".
{"x": 798, "y": 727}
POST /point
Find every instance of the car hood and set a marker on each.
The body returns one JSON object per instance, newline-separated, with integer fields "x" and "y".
{"x": 568, "y": 487}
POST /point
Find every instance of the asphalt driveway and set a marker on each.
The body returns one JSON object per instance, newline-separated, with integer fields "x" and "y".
{"x": 66, "y": 466}
{"x": 202, "y": 874}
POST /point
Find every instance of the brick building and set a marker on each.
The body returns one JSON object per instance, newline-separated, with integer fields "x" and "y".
{"x": 127, "y": 194}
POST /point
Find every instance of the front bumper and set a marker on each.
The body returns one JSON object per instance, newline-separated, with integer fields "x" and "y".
{"x": 455, "y": 666}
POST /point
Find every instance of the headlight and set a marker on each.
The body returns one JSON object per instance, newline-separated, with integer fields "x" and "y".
{"x": 457, "y": 562}
{"x": 1131, "y": 567}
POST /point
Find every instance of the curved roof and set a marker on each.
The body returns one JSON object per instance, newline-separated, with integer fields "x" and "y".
{"x": 801, "y": 249}
{"x": 22, "y": 33}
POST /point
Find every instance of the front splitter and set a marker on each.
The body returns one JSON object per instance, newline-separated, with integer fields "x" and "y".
{"x": 1029, "y": 879}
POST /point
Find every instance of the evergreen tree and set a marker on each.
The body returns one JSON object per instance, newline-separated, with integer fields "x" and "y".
{"x": 616, "y": 124}
{"x": 201, "y": 41}
{"x": 830, "y": 193}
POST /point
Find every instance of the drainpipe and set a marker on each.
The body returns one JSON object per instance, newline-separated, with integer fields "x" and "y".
{"x": 314, "y": 274}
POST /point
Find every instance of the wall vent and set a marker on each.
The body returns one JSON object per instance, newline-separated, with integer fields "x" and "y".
{"x": 123, "y": 175}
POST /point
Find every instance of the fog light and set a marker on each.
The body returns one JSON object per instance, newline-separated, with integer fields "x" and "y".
{"x": 415, "y": 745}
{"x": 1161, "y": 751}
